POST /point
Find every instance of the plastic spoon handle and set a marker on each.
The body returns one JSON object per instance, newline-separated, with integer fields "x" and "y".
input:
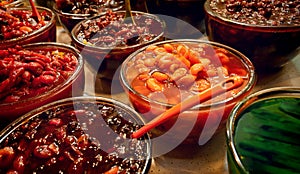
{"x": 35, "y": 12}
{"x": 229, "y": 84}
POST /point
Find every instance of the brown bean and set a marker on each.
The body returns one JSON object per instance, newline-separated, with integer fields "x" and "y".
{"x": 154, "y": 85}
{"x": 54, "y": 148}
{"x": 223, "y": 57}
{"x": 159, "y": 76}
{"x": 194, "y": 57}
{"x": 83, "y": 141}
{"x": 180, "y": 72}
{"x": 7, "y": 155}
{"x": 196, "y": 68}
{"x": 42, "y": 151}
{"x": 42, "y": 80}
{"x": 186, "y": 81}
{"x": 222, "y": 71}
{"x": 201, "y": 85}
{"x": 182, "y": 50}
{"x": 19, "y": 164}
{"x": 166, "y": 61}
{"x": 185, "y": 62}
{"x": 169, "y": 48}
{"x": 55, "y": 122}
{"x": 113, "y": 170}
{"x": 149, "y": 62}
{"x": 25, "y": 29}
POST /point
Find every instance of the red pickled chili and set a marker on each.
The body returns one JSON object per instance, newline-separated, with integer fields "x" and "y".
{"x": 16, "y": 23}
{"x": 169, "y": 72}
{"x": 28, "y": 73}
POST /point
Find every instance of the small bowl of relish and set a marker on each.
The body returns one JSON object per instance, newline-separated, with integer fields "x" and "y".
{"x": 265, "y": 31}
{"x": 263, "y": 132}
{"x": 76, "y": 135}
{"x": 20, "y": 27}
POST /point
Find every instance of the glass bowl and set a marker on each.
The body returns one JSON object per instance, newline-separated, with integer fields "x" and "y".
{"x": 11, "y": 3}
{"x": 105, "y": 57}
{"x": 68, "y": 18}
{"x": 76, "y": 135}
{"x": 41, "y": 73}
{"x": 190, "y": 11}
{"x": 161, "y": 75}
{"x": 269, "y": 44}
{"x": 262, "y": 132}
{"x": 30, "y": 33}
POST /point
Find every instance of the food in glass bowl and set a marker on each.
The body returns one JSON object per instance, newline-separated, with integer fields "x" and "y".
{"x": 71, "y": 12}
{"x": 263, "y": 132}
{"x": 76, "y": 135}
{"x": 265, "y": 31}
{"x": 19, "y": 26}
{"x": 106, "y": 40}
{"x": 163, "y": 74}
{"x": 11, "y": 3}
{"x": 35, "y": 74}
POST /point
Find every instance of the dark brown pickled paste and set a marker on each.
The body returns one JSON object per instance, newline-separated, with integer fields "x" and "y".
{"x": 88, "y": 6}
{"x": 259, "y": 12}
{"x": 110, "y": 30}
{"x": 75, "y": 139}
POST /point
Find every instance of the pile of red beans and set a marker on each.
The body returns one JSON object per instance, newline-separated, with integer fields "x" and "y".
{"x": 18, "y": 23}
{"x": 110, "y": 30}
{"x": 25, "y": 73}
{"x": 259, "y": 12}
{"x": 80, "y": 137}
{"x": 87, "y": 6}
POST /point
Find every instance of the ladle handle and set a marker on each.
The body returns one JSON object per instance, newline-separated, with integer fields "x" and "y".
{"x": 227, "y": 85}
{"x": 35, "y": 12}
{"x": 128, "y": 14}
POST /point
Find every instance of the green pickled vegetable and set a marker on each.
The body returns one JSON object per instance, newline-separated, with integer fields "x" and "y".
{"x": 267, "y": 136}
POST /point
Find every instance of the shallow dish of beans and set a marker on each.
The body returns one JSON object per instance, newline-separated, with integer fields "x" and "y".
{"x": 106, "y": 40}
{"x": 36, "y": 74}
{"x": 265, "y": 31}
{"x": 163, "y": 74}
{"x": 70, "y": 13}
{"x": 18, "y": 26}
{"x": 76, "y": 135}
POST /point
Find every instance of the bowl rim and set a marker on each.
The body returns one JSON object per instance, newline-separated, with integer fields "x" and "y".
{"x": 81, "y": 15}
{"x": 263, "y": 28}
{"x": 38, "y": 31}
{"x": 247, "y": 63}
{"x": 234, "y": 115}
{"x": 13, "y": 3}
{"x": 67, "y": 101}
{"x": 59, "y": 87}
{"x": 77, "y": 27}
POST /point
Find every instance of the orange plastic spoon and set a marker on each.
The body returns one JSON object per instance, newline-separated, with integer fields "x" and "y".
{"x": 229, "y": 84}
{"x": 35, "y": 12}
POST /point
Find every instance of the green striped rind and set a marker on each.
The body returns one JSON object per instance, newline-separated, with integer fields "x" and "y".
{"x": 267, "y": 136}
